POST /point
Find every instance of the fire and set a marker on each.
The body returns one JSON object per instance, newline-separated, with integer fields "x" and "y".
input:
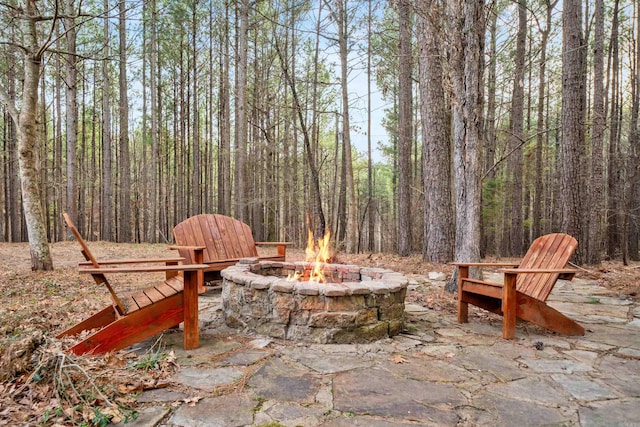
{"x": 317, "y": 253}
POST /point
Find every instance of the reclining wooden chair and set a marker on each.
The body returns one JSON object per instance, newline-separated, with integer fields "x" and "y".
{"x": 145, "y": 313}
{"x": 526, "y": 287}
{"x": 225, "y": 239}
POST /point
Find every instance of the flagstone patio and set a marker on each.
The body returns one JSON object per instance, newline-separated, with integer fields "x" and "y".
{"x": 436, "y": 373}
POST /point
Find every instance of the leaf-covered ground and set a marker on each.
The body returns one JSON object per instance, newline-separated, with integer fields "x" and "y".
{"x": 41, "y": 384}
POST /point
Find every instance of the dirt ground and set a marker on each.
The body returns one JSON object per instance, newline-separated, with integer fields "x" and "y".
{"x": 41, "y": 384}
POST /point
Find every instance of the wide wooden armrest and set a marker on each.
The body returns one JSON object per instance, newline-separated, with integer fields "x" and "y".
{"x": 143, "y": 269}
{"x": 188, "y": 248}
{"x": 563, "y": 271}
{"x": 485, "y": 264}
{"x": 274, "y": 243}
{"x": 132, "y": 261}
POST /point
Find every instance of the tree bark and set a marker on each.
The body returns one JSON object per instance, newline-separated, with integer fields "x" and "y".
{"x": 224, "y": 147}
{"x": 489, "y": 225}
{"x": 614, "y": 179}
{"x": 71, "y": 109}
{"x": 124, "y": 174}
{"x": 340, "y": 18}
{"x": 596, "y": 187}
{"x": 106, "y": 218}
{"x": 316, "y": 220}
{"x": 467, "y": 49}
{"x": 538, "y": 196}
{"x": 516, "y": 136}
{"x": 27, "y": 145}
{"x": 405, "y": 127}
{"x": 241, "y": 113}
{"x": 14, "y": 210}
{"x": 196, "y": 194}
{"x": 436, "y": 146}
{"x": 370, "y": 202}
{"x": 152, "y": 214}
{"x": 573, "y": 97}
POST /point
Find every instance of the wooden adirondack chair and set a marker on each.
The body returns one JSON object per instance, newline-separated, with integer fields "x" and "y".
{"x": 526, "y": 287}
{"x": 145, "y": 313}
{"x": 225, "y": 239}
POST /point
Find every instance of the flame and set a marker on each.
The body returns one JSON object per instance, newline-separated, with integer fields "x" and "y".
{"x": 318, "y": 254}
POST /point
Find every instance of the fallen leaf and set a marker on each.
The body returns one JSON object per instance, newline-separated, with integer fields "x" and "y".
{"x": 152, "y": 385}
{"x": 192, "y": 400}
{"x": 129, "y": 388}
{"x": 114, "y": 360}
{"x": 398, "y": 359}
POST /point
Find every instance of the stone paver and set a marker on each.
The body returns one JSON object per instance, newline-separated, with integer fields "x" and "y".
{"x": 501, "y": 411}
{"x": 379, "y": 392}
{"x": 232, "y": 410}
{"x": 623, "y": 413}
{"x": 287, "y": 413}
{"x": 436, "y": 373}
{"x": 147, "y": 416}
{"x": 277, "y": 380}
{"x": 207, "y": 378}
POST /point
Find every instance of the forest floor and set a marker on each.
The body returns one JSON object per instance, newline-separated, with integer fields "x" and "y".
{"x": 41, "y": 384}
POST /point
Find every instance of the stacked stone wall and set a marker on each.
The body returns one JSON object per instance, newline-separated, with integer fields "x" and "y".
{"x": 358, "y": 305}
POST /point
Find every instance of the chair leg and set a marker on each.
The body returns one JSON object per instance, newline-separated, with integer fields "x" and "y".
{"x": 463, "y": 306}
{"x": 463, "y": 312}
{"x": 509, "y": 306}
{"x": 538, "y": 312}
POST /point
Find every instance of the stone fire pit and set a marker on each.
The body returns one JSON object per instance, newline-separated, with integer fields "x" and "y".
{"x": 357, "y": 305}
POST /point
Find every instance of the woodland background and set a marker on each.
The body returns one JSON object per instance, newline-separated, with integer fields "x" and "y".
{"x": 505, "y": 120}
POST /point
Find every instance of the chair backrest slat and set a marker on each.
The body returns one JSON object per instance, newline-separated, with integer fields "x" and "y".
{"x": 224, "y": 237}
{"x": 551, "y": 251}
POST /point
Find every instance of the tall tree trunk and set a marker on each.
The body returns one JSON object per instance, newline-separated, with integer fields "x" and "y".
{"x": 596, "y": 187}
{"x": 152, "y": 215}
{"x": 467, "y": 49}
{"x": 58, "y": 156}
{"x": 538, "y": 196}
{"x": 11, "y": 175}
{"x": 196, "y": 195}
{"x": 436, "y": 147}
{"x": 143, "y": 196}
{"x": 516, "y": 136}
{"x": 224, "y": 148}
{"x": 107, "y": 194}
{"x": 240, "y": 195}
{"x": 340, "y": 17}
{"x": 45, "y": 165}
{"x": 14, "y": 210}
{"x": 297, "y": 230}
{"x": 316, "y": 221}
{"x": 27, "y": 163}
{"x": 614, "y": 176}
{"x": 71, "y": 108}
{"x": 340, "y": 183}
{"x": 208, "y": 203}
{"x": 573, "y": 97}
{"x": 489, "y": 225}
{"x": 405, "y": 128}
{"x": 124, "y": 203}
{"x": 25, "y": 120}
{"x": 370, "y": 201}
